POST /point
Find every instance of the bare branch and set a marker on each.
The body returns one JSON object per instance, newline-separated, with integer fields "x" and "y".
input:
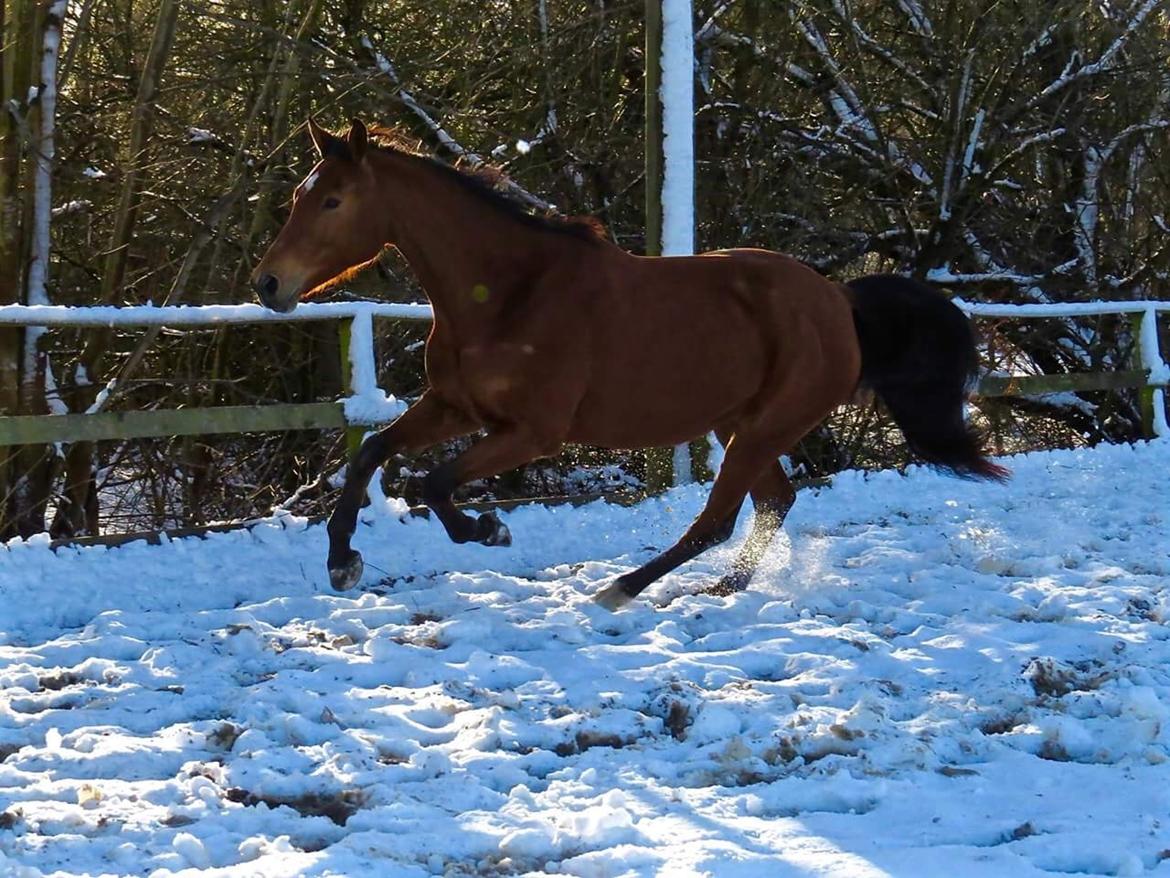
{"x": 441, "y": 134}
{"x": 1102, "y": 64}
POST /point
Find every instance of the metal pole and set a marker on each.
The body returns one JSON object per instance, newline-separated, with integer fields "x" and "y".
{"x": 669, "y": 170}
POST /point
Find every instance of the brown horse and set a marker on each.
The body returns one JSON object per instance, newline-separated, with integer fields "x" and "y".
{"x": 545, "y": 333}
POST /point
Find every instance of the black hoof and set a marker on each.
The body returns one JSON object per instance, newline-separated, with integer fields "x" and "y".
{"x": 344, "y": 575}
{"x": 490, "y": 531}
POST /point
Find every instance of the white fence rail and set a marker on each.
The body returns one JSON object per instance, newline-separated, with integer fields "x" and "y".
{"x": 367, "y": 404}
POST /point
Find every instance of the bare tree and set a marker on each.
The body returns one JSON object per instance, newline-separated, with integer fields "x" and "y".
{"x": 1010, "y": 152}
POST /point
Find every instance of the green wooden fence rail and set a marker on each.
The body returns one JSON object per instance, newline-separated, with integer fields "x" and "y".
{"x": 1150, "y": 375}
{"x": 357, "y": 367}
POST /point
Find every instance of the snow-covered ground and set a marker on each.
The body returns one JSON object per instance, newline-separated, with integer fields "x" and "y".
{"x": 931, "y": 678}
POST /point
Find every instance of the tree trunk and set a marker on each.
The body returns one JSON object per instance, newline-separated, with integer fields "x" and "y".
{"x": 34, "y": 463}
{"x": 292, "y": 66}
{"x": 20, "y": 44}
{"x": 78, "y": 511}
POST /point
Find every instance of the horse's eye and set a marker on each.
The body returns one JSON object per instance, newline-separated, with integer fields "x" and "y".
{"x": 330, "y": 203}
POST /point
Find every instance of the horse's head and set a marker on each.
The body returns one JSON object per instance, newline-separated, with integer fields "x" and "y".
{"x": 331, "y": 229}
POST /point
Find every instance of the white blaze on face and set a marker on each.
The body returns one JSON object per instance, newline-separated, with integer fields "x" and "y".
{"x": 310, "y": 181}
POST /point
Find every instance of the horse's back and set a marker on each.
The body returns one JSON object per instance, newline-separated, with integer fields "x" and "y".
{"x": 680, "y": 345}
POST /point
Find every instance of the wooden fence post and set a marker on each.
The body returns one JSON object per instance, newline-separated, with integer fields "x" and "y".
{"x": 1144, "y": 395}
{"x": 659, "y": 461}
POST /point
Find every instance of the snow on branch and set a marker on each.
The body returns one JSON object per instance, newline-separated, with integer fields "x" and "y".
{"x": 918, "y": 18}
{"x": 1124, "y": 133}
{"x": 441, "y": 134}
{"x": 71, "y": 207}
{"x": 1041, "y": 41}
{"x": 843, "y": 99}
{"x": 1023, "y": 146}
{"x": 46, "y": 94}
{"x": 944, "y": 201}
{"x": 863, "y": 37}
{"x": 38, "y": 270}
{"x": 972, "y": 145}
{"x": 1087, "y": 210}
{"x": 444, "y": 137}
{"x": 851, "y": 111}
{"x": 946, "y": 277}
{"x": 1087, "y": 205}
{"x": 712, "y": 34}
{"x": 1102, "y": 64}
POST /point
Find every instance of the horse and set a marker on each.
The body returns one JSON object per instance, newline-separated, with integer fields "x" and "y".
{"x": 547, "y": 333}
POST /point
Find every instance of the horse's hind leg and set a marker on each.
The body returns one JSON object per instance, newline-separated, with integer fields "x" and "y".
{"x": 772, "y": 496}
{"x": 497, "y": 452}
{"x": 428, "y": 422}
{"x": 741, "y": 467}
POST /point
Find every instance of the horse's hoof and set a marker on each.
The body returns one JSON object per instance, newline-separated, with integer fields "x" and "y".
{"x": 613, "y": 597}
{"x": 730, "y": 584}
{"x": 491, "y": 531}
{"x": 345, "y": 575}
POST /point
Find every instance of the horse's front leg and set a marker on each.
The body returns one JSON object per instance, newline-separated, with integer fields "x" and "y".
{"x": 504, "y": 448}
{"x": 428, "y": 422}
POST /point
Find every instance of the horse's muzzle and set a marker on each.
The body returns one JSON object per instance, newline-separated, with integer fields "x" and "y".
{"x": 267, "y": 287}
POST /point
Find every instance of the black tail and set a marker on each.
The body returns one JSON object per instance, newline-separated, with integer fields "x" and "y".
{"x": 918, "y": 354}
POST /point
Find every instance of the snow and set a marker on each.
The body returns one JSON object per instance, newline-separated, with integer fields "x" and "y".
{"x": 929, "y": 677}
{"x": 973, "y": 144}
{"x": 53, "y": 400}
{"x": 367, "y": 403}
{"x": 372, "y": 408}
{"x": 945, "y": 277}
{"x": 1157, "y": 367}
{"x": 103, "y": 396}
{"x": 310, "y": 182}
{"x": 69, "y": 207}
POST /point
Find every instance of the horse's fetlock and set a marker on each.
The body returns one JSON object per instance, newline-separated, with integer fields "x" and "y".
{"x": 435, "y": 489}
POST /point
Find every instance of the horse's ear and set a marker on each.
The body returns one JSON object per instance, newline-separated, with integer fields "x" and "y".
{"x": 326, "y": 143}
{"x": 356, "y": 139}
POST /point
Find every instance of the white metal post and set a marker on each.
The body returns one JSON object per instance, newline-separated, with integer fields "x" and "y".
{"x": 677, "y": 99}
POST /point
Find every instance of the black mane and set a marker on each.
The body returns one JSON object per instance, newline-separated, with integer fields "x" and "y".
{"x": 482, "y": 183}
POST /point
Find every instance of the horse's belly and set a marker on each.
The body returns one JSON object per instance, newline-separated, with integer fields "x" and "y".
{"x": 662, "y": 393}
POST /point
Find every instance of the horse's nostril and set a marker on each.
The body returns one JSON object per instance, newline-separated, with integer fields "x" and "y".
{"x": 266, "y": 286}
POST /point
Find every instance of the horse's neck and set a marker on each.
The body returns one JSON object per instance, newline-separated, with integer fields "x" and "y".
{"x": 470, "y": 257}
